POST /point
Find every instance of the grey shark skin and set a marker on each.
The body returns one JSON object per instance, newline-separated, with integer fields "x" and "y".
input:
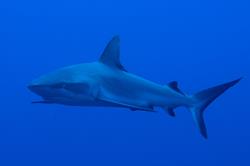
{"x": 106, "y": 83}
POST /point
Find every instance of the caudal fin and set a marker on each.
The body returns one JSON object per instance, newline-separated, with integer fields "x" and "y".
{"x": 204, "y": 98}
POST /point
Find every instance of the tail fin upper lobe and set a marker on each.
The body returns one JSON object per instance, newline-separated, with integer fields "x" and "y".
{"x": 204, "y": 98}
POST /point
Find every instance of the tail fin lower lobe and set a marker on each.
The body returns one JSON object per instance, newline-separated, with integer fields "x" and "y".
{"x": 204, "y": 98}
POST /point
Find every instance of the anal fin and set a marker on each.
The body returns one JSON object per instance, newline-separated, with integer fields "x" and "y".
{"x": 170, "y": 111}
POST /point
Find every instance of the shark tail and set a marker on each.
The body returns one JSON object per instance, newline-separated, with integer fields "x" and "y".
{"x": 203, "y": 99}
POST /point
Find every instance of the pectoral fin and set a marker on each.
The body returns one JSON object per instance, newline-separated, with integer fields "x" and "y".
{"x": 127, "y": 105}
{"x": 116, "y": 99}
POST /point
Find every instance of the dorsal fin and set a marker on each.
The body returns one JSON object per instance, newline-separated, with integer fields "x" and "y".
{"x": 111, "y": 54}
{"x": 174, "y": 85}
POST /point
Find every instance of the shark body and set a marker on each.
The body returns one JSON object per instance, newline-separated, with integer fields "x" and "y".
{"x": 107, "y": 83}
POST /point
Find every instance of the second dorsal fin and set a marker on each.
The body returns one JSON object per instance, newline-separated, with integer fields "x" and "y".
{"x": 111, "y": 54}
{"x": 174, "y": 85}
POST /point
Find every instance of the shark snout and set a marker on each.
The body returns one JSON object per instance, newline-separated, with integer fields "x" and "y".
{"x": 41, "y": 90}
{"x": 36, "y": 88}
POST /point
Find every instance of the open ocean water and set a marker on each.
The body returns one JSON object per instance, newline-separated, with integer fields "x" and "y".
{"x": 198, "y": 43}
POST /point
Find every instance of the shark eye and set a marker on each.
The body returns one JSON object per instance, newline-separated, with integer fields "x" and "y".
{"x": 58, "y": 86}
{"x": 77, "y": 87}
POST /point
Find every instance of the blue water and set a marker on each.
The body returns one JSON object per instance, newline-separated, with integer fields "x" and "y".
{"x": 198, "y": 43}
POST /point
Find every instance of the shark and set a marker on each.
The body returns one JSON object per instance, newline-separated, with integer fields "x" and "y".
{"x": 106, "y": 83}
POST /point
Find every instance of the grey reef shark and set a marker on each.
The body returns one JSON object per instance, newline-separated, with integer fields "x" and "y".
{"x": 106, "y": 83}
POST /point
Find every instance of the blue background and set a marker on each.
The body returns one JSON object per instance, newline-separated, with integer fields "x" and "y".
{"x": 199, "y": 43}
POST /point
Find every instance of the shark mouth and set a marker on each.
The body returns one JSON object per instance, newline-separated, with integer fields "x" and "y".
{"x": 42, "y": 102}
